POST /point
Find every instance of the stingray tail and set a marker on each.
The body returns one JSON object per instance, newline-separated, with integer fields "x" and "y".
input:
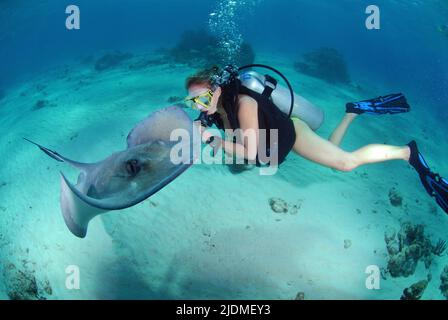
{"x": 49, "y": 152}
{"x": 56, "y": 156}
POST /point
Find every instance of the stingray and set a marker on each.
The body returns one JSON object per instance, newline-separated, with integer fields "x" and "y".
{"x": 128, "y": 177}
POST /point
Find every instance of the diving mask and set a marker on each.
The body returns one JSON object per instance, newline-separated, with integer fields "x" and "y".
{"x": 200, "y": 102}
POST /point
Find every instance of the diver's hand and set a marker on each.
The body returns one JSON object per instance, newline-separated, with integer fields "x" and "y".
{"x": 205, "y": 135}
{"x": 199, "y": 126}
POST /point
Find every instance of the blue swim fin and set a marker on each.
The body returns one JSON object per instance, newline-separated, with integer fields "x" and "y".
{"x": 435, "y": 185}
{"x": 391, "y": 104}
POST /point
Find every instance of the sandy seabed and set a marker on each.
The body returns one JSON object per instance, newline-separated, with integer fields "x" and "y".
{"x": 211, "y": 234}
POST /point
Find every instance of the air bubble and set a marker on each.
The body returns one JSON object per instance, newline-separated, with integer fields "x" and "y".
{"x": 223, "y": 24}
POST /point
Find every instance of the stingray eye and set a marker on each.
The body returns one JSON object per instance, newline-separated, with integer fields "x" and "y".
{"x": 133, "y": 167}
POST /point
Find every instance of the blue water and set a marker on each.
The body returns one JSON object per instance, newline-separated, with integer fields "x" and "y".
{"x": 408, "y": 54}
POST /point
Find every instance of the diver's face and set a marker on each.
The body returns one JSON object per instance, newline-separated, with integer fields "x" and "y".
{"x": 205, "y": 102}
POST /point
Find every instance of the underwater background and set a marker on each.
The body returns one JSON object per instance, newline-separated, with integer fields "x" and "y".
{"x": 220, "y": 232}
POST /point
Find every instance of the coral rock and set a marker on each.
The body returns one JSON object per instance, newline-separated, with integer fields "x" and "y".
{"x": 415, "y": 291}
{"x": 406, "y": 249}
{"x": 395, "y": 198}
{"x": 390, "y": 235}
{"x": 347, "y": 243}
{"x": 439, "y": 248}
{"x": 41, "y": 104}
{"x": 324, "y": 63}
{"x": 200, "y": 49}
{"x": 21, "y": 283}
{"x": 300, "y": 296}
{"x": 111, "y": 60}
{"x": 392, "y": 248}
{"x": 444, "y": 282}
{"x": 278, "y": 205}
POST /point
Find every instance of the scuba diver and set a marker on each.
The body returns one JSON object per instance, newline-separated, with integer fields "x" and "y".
{"x": 250, "y": 101}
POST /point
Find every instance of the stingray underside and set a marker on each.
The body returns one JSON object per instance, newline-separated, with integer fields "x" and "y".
{"x": 128, "y": 177}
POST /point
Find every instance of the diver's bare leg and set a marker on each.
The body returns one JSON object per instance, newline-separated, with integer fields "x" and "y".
{"x": 339, "y": 133}
{"x": 312, "y": 147}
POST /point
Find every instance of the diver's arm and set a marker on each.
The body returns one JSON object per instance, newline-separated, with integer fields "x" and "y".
{"x": 235, "y": 149}
{"x": 248, "y": 119}
{"x": 230, "y": 148}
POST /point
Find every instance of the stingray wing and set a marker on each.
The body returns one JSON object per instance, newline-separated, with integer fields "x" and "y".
{"x": 159, "y": 126}
{"x": 78, "y": 208}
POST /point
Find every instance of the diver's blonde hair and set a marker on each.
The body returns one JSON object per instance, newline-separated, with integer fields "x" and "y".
{"x": 202, "y": 77}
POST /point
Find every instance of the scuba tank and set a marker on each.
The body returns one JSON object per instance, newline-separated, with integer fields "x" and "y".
{"x": 280, "y": 95}
{"x": 284, "y": 98}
